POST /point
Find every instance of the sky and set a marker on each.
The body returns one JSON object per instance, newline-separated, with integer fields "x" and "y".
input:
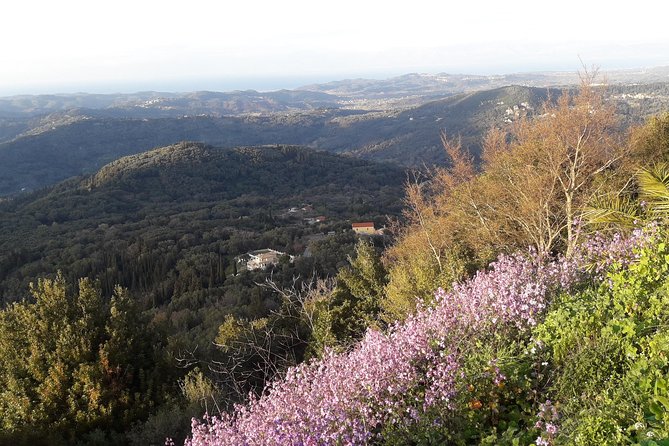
{"x": 67, "y": 46}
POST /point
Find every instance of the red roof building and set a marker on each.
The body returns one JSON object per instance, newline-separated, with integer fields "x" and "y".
{"x": 366, "y": 227}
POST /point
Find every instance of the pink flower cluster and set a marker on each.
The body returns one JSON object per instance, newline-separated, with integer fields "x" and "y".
{"x": 342, "y": 399}
{"x": 395, "y": 377}
{"x": 512, "y": 292}
{"x": 600, "y": 251}
{"x": 546, "y": 419}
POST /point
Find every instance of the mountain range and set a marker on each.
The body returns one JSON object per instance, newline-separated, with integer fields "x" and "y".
{"x": 46, "y": 139}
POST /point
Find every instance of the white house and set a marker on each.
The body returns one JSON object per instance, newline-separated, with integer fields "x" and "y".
{"x": 262, "y": 258}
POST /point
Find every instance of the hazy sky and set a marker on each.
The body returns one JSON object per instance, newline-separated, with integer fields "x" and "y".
{"x": 124, "y": 45}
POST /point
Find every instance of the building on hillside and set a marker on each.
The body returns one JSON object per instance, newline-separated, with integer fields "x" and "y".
{"x": 314, "y": 220}
{"x": 262, "y": 258}
{"x": 366, "y": 228}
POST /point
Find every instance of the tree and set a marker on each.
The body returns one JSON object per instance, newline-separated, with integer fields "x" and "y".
{"x": 71, "y": 363}
{"x": 644, "y": 201}
{"x": 538, "y": 182}
{"x": 253, "y": 352}
{"x": 649, "y": 143}
{"x": 639, "y": 193}
{"x": 356, "y": 301}
{"x": 430, "y": 250}
{"x": 534, "y": 180}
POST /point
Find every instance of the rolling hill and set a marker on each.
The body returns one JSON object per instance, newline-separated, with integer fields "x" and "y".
{"x": 49, "y": 149}
{"x": 154, "y": 104}
{"x": 69, "y": 144}
{"x": 150, "y": 215}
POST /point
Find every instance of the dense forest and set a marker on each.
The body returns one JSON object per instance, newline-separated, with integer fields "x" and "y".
{"x": 132, "y": 222}
{"x": 125, "y": 311}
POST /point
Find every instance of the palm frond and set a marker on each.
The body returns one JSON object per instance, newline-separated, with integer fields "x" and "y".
{"x": 612, "y": 210}
{"x": 654, "y": 183}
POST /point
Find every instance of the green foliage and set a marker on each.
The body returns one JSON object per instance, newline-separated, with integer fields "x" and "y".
{"x": 495, "y": 404}
{"x": 322, "y": 334}
{"x": 637, "y": 188}
{"x": 650, "y": 142}
{"x": 70, "y": 363}
{"x": 656, "y": 429}
{"x": 251, "y": 352}
{"x": 200, "y": 390}
{"x": 648, "y": 202}
{"x": 654, "y": 190}
{"x": 613, "y": 211}
{"x": 415, "y": 275}
{"x": 606, "y": 349}
{"x": 355, "y": 303}
{"x": 173, "y": 418}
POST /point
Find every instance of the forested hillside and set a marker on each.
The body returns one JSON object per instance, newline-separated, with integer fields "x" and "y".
{"x": 139, "y": 217}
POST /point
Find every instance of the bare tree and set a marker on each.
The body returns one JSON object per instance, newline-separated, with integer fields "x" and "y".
{"x": 255, "y": 352}
{"x": 537, "y": 179}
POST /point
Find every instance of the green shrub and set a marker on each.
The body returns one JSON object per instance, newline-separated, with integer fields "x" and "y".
{"x": 606, "y": 348}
